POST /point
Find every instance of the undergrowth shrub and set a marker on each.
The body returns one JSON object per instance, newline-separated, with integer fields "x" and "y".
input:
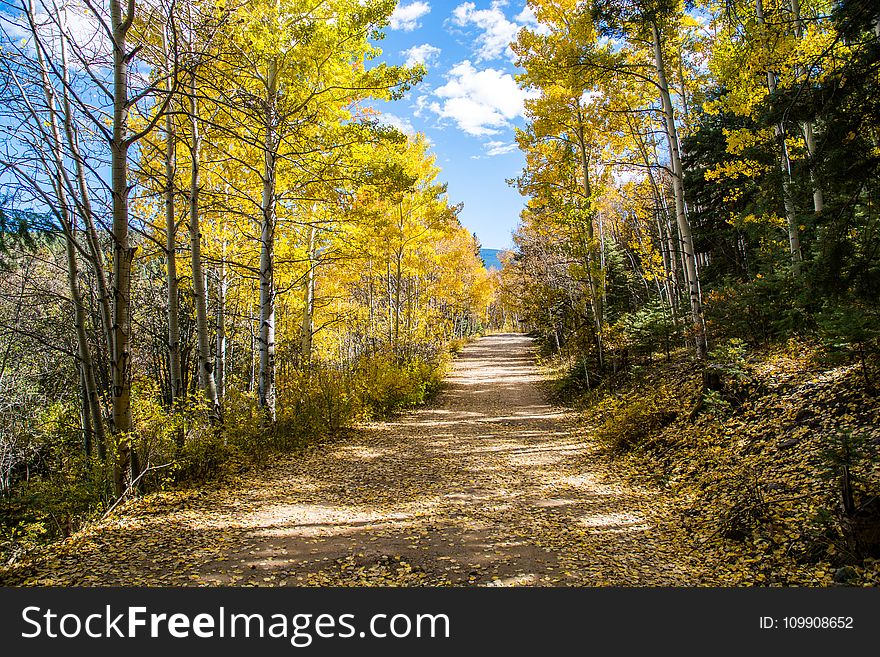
{"x": 728, "y": 380}
{"x": 312, "y": 405}
{"x": 61, "y": 485}
{"x": 52, "y": 486}
{"x": 729, "y": 487}
{"x": 759, "y": 310}
{"x": 850, "y": 329}
{"x": 183, "y": 443}
{"x": 386, "y": 385}
{"x": 630, "y": 420}
{"x": 645, "y": 331}
{"x": 204, "y": 454}
{"x": 576, "y": 382}
{"x": 456, "y": 345}
{"x": 847, "y": 461}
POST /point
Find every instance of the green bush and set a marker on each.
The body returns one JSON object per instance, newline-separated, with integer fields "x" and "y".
{"x": 759, "y": 310}
{"x": 648, "y": 330}
{"x": 203, "y": 455}
{"x": 850, "y": 328}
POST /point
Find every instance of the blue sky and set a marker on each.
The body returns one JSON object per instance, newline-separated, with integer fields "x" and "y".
{"x": 468, "y": 104}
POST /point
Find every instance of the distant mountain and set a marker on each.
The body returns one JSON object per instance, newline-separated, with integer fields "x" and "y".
{"x": 491, "y": 258}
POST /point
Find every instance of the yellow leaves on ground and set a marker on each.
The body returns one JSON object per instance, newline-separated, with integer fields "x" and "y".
{"x": 753, "y": 483}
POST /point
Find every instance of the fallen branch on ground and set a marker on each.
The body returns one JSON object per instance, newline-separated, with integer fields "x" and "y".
{"x": 131, "y": 486}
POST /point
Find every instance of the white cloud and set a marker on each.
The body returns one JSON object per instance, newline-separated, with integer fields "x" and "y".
{"x": 423, "y": 54}
{"x": 423, "y": 103}
{"x": 494, "y": 148}
{"x": 406, "y": 17}
{"x": 397, "y": 122}
{"x": 481, "y": 102}
{"x": 527, "y": 16}
{"x": 497, "y": 30}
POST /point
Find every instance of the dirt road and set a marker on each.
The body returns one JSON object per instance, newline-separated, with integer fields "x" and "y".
{"x": 490, "y": 485}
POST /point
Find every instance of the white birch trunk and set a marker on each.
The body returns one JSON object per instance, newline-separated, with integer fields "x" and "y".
{"x": 794, "y": 242}
{"x": 688, "y": 253}
{"x": 308, "y": 321}
{"x": 220, "y": 353}
{"x": 200, "y": 292}
{"x": 595, "y": 297}
{"x": 266, "y": 383}
{"x": 807, "y": 126}
{"x": 91, "y": 411}
{"x": 172, "y": 291}
{"x": 95, "y": 258}
{"x": 123, "y": 253}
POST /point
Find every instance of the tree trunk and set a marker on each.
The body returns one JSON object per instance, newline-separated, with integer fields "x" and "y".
{"x": 690, "y": 269}
{"x": 84, "y": 207}
{"x": 665, "y": 253}
{"x": 398, "y": 276}
{"x": 85, "y": 415}
{"x": 665, "y": 237}
{"x": 254, "y": 328}
{"x": 266, "y": 384}
{"x": 200, "y": 293}
{"x": 372, "y": 330}
{"x": 175, "y": 373}
{"x": 809, "y": 137}
{"x": 596, "y": 298}
{"x": 123, "y": 253}
{"x": 308, "y": 304}
{"x": 794, "y": 242}
{"x": 220, "y": 355}
{"x": 91, "y": 411}
{"x": 390, "y": 304}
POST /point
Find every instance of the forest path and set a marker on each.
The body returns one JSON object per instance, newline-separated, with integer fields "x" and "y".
{"x": 489, "y": 485}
